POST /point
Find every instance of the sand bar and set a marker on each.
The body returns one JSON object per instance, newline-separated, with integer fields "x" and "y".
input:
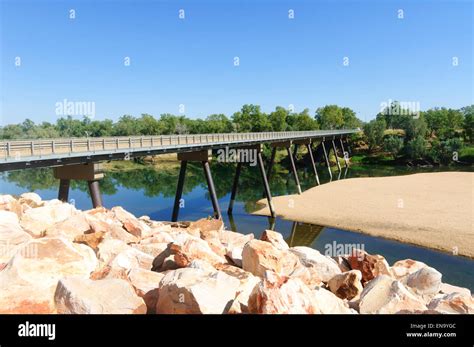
{"x": 433, "y": 210}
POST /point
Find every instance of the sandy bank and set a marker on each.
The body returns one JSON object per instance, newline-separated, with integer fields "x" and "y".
{"x": 433, "y": 210}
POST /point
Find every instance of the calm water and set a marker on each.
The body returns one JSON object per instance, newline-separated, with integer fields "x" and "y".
{"x": 147, "y": 191}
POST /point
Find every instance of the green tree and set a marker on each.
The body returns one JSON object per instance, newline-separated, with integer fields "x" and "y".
{"x": 302, "y": 121}
{"x": 468, "y": 123}
{"x": 393, "y": 145}
{"x": 374, "y": 132}
{"x": 330, "y": 117}
{"x": 278, "y": 119}
{"x": 416, "y": 148}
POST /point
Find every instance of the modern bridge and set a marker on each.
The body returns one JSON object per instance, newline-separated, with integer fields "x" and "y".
{"x": 79, "y": 158}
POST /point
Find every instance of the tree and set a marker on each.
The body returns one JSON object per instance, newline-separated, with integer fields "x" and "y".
{"x": 374, "y": 131}
{"x": 468, "y": 123}
{"x": 350, "y": 119}
{"x": 302, "y": 121}
{"x": 251, "y": 119}
{"x": 218, "y": 123}
{"x": 416, "y": 148}
{"x": 330, "y": 117}
{"x": 393, "y": 145}
{"x": 278, "y": 119}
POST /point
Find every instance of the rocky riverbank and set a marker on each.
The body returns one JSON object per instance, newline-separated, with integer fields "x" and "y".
{"x": 57, "y": 259}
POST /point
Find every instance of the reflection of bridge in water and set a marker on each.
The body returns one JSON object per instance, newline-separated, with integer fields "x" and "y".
{"x": 79, "y": 158}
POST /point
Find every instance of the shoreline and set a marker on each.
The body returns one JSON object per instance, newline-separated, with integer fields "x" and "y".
{"x": 430, "y": 210}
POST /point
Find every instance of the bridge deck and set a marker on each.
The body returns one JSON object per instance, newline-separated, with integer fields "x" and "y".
{"x": 20, "y": 154}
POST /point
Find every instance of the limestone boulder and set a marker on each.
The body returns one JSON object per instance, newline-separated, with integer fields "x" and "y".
{"x": 28, "y": 281}
{"x": 403, "y": 268}
{"x": 12, "y": 236}
{"x": 275, "y": 238}
{"x": 346, "y": 285}
{"x": 386, "y": 295}
{"x": 426, "y": 281}
{"x": 37, "y": 220}
{"x": 453, "y": 303}
{"x": 259, "y": 256}
{"x": 9, "y": 203}
{"x": 146, "y": 285}
{"x": 31, "y": 199}
{"x": 193, "y": 291}
{"x": 75, "y": 295}
{"x": 277, "y": 294}
{"x": 70, "y": 228}
{"x": 328, "y": 303}
{"x": 446, "y": 288}
{"x": 194, "y": 248}
{"x": 322, "y": 268}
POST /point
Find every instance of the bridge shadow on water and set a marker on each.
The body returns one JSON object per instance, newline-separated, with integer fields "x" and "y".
{"x": 146, "y": 190}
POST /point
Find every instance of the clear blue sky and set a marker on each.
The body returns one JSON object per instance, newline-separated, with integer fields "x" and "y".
{"x": 191, "y": 61}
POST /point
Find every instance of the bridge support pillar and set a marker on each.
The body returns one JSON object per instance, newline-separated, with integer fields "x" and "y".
{"x": 63, "y": 193}
{"x": 204, "y": 158}
{"x": 287, "y": 145}
{"x": 326, "y": 158}
{"x": 344, "y": 153}
{"x": 263, "y": 174}
{"x": 90, "y": 172}
{"x": 313, "y": 163}
{"x": 334, "y": 148}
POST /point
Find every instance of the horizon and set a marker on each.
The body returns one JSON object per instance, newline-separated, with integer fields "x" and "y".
{"x": 297, "y": 62}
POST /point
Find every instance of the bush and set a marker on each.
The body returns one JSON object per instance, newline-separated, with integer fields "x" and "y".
{"x": 416, "y": 148}
{"x": 393, "y": 145}
{"x": 445, "y": 152}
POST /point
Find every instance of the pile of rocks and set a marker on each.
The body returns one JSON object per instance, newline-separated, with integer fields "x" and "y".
{"x": 57, "y": 259}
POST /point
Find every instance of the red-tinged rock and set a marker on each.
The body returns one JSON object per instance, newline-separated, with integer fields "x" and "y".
{"x": 453, "y": 303}
{"x": 346, "y": 285}
{"x": 259, "y": 256}
{"x": 194, "y": 248}
{"x": 403, "y": 268}
{"x": 146, "y": 284}
{"x": 321, "y": 267}
{"x": 276, "y": 239}
{"x": 370, "y": 266}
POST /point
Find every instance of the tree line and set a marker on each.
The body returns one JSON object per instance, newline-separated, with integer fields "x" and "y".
{"x": 250, "y": 118}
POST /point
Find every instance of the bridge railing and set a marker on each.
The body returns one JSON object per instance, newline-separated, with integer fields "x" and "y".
{"x": 18, "y": 149}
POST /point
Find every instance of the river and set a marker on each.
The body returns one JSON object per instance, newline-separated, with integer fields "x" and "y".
{"x": 146, "y": 190}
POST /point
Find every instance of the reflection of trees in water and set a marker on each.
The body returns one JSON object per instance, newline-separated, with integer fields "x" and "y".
{"x": 303, "y": 234}
{"x": 155, "y": 181}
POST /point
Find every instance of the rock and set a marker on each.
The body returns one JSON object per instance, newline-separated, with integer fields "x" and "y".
{"x": 342, "y": 263}
{"x": 449, "y": 289}
{"x": 247, "y": 284}
{"x": 207, "y": 226}
{"x": 453, "y": 303}
{"x": 131, "y": 258}
{"x": 235, "y": 256}
{"x": 160, "y": 237}
{"x": 28, "y": 282}
{"x": 276, "y": 239}
{"x": 31, "y": 199}
{"x": 201, "y": 265}
{"x": 346, "y": 285}
{"x": 370, "y": 266}
{"x": 99, "y": 221}
{"x": 119, "y": 233}
{"x": 386, "y": 295}
{"x": 153, "y": 249}
{"x": 260, "y": 256}
{"x": 322, "y": 268}
{"x": 92, "y": 240}
{"x": 130, "y": 223}
{"x": 281, "y": 295}
{"x": 403, "y": 268}
{"x": 108, "y": 249}
{"x": 9, "y": 203}
{"x": 108, "y": 296}
{"x": 11, "y": 235}
{"x": 70, "y": 228}
{"x": 146, "y": 285}
{"x": 193, "y": 291}
{"x": 194, "y": 248}
{"x": 37, "y": 220}
{"x": 426, "y": 281}
{"x": 328, "y": 303}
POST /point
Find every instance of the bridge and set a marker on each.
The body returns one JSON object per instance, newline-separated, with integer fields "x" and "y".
{"x": 80, "y": 158}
